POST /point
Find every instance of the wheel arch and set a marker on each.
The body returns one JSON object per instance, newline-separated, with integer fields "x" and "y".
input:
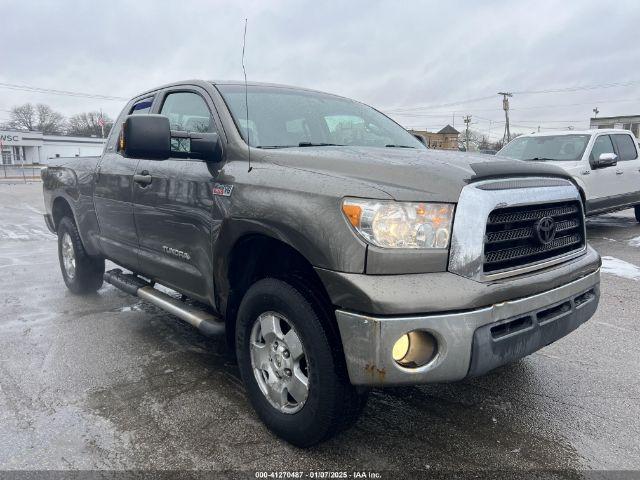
{"x": 254, "y": 256}
{"x": 61, "y": 208}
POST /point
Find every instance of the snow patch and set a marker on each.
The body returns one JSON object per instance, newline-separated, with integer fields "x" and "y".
{"x": 620, "y": 268}
{"x": 635, "y": 242}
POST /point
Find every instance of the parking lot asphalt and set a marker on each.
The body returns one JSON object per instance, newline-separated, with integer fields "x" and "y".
{"x": 108, "y": 382}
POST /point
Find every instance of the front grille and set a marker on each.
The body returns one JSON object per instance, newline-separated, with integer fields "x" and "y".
{"x": 512, "y": 239}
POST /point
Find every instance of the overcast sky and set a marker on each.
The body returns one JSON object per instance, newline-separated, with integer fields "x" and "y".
{"x": 392, "y": 55}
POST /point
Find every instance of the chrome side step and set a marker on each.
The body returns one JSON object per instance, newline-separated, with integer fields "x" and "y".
{"x": 207, "y": 323}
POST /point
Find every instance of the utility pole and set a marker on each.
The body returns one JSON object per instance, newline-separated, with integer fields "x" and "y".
{"x": 506, "y": 138}
{"x": 101, "y": 123}
{"x": 467, "y": 121}
{"x": 595, "y": 112}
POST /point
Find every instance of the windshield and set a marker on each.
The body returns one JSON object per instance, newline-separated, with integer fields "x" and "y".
{"x": 285, "y": 117}
{"x": 551, "y": 147}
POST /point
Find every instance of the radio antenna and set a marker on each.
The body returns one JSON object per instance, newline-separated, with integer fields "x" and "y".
{"x": 246, "y": 93}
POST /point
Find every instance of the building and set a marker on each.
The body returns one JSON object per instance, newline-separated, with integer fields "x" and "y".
{"x": 444, "y": 139}
{"x": 629, "y": 122}
{"x": 19, "y": 147}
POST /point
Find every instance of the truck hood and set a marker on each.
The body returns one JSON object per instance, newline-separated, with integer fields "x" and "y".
{"x": 408, "y": 174}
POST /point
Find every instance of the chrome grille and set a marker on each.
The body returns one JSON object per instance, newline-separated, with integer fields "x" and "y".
{"x": 512, "y": 237}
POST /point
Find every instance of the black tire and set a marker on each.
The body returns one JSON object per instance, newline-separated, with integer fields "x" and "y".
{"x": 333, "y": 404}
{"x": 89, "y": 271}
{"x": 637, "y": 210}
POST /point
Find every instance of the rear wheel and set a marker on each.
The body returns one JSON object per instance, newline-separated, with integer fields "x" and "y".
{"x": 637, "y": 210}
{"x": 81, "y": 273}
{"x": 292, "y": 365}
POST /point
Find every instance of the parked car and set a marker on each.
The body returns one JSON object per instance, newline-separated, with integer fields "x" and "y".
{"x": 604, "y": 163}
{"x": 319, "y": 236}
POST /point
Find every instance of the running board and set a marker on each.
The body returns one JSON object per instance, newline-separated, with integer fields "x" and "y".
{"x": 207, "y": 323}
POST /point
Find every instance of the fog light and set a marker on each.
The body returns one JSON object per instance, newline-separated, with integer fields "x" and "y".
{"x": 415, "y": 349}
{"x": 401, "y": 348}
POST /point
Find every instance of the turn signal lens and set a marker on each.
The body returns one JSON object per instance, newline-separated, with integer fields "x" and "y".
{"x": 353, "y": 213}
{"x": 401, "y": 348}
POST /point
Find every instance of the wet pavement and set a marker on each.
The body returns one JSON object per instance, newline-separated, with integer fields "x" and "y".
{"x": 108, "y": 382}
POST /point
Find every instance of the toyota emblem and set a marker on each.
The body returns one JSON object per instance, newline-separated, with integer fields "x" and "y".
{"x": 546, "y": 230}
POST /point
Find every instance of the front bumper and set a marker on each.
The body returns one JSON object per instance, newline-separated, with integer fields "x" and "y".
{"x": 470, "y": 342}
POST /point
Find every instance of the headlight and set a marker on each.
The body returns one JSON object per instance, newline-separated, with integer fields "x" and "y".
{"x": 392, "y": 224}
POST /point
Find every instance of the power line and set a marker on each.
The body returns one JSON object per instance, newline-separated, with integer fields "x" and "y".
{"x": 51, "y": 91}
{"x": 580, "y": 88}
{"x": 521, "y": 92}
{"x": 443, "y": 105}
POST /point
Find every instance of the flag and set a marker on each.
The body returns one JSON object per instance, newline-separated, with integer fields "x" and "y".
{"x": 101, "y": 121}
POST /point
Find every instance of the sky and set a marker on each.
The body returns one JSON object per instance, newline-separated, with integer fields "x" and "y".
{"x": 419, "y": 62}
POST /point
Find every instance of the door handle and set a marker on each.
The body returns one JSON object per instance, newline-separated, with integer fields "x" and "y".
{"x": 143, "y": 178}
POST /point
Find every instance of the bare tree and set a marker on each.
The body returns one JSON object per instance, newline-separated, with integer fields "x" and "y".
{"x": 474, "y": 140}
{"x": 40, "y": 118}
{"x": 49, "y": 122}
{"x": 88, "y": 124}
{"x": 23, "y": 117}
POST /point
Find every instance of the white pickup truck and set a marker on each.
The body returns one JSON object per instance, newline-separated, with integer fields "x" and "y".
{"x": 604, "y": 163}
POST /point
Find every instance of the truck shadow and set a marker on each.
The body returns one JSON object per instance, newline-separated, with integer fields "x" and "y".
{"x": 188, "y": 410}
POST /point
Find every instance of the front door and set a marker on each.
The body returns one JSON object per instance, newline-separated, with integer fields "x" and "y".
{"x": 174, "y": 204}
{"x": 599, "y": 182}
{"x": 113, "y": 196}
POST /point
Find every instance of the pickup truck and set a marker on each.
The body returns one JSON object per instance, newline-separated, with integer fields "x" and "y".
{"x": 604, "y": 164}
{"x": 331, "y": 247}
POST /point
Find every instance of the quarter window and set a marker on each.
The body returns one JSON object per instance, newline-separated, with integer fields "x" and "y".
{"x": 626, "y": 147}
{"x": 142, "y": 107}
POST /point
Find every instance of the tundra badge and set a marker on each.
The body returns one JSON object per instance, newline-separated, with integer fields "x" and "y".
{"x": 176, "y": 253}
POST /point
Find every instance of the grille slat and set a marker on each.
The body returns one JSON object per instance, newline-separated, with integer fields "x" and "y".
{"x": 511, "y": 240}
{"x": 527, "y": 232}
{"x": 498, "y": 218}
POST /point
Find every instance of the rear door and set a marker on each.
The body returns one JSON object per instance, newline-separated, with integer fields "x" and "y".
{"x": 113, "y": 194}
{"x": 628, "y": 165}
{"x": 173, "y": 211}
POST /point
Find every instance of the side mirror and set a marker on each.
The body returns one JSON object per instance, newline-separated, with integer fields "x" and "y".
{"x": 201, "y": 146}
{"x": 605, "y": 160}
{"x": 146, "y": 136}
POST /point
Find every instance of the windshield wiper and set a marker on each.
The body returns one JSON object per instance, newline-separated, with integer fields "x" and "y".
{"x": 275, "y": 146}
{"x": 312, "y": 144}
{"x": 538, "y": 159}
{"x": 398, "y": 146}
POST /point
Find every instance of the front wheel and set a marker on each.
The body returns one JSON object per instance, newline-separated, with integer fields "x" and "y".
{"x": 292, "y": 366}
{"x": 637, "y": 210}
{"x": 81, "y": 273}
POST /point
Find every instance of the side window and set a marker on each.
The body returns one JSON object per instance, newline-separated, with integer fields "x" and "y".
{"x": 626, "y": 147}
{"x": 187, "y": 112}
{"x": 601, "y": 145}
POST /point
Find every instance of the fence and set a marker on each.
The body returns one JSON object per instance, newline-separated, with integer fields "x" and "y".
{"x": 20, "y": 172}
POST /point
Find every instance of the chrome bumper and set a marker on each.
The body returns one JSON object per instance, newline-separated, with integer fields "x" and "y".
{"x": 368, "y": 340}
